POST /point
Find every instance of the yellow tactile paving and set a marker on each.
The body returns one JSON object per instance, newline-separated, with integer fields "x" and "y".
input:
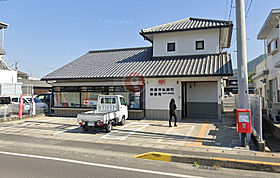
{"x": 200, "y": 136}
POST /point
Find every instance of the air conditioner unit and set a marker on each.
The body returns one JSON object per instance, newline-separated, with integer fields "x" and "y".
{"x": 273, "y": 46}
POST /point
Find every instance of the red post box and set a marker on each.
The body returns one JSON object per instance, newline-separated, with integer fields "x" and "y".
{"x": 243, "y": 120}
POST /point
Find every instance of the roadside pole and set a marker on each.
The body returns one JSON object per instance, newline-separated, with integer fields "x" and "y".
{"x": 243, "y": 96}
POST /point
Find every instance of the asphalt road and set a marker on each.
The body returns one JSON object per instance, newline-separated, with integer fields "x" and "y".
{"x": 26, "y": 165}
{"x": 31, "y": 159}
{"x": 22, "y": 166}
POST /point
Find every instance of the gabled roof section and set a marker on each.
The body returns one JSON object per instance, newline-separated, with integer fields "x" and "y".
{"x": 119, "y": 63}
{"x": 186, "y": 25}
{"x": 270, "y": 23}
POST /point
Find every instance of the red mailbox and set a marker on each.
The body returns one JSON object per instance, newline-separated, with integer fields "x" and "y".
{"x": 243, "y": 120}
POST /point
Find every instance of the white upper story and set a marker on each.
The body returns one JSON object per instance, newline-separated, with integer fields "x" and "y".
{"x": 191, "y": 36}
{"x": 270, "y": 34}
{"x": 7, "y": 75}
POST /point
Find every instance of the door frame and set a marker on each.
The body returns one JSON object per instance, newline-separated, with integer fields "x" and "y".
{"x": 184, "y": 99}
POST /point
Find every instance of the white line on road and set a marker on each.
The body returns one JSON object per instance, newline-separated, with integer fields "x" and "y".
{"x": 107, "y": 136}
{"x": 167, "y": 132}
{"x": 99, "y": 165}
{"x": 190, "y": 131}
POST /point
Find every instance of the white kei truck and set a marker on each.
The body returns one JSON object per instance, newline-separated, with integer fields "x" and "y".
{"x": 111, "y": 110}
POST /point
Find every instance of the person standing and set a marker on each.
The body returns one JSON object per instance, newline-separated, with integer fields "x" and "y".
{"x": 172, "y": 112}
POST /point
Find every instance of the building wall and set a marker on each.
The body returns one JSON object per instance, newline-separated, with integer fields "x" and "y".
{"x": 272, "y": 59}
{"x": 8, "y": 76}
{"x": 185, "y": 42}
{"x": 202, "y": 92}
{"x": 203, "y": 97}
{"x": 261, "y": 67}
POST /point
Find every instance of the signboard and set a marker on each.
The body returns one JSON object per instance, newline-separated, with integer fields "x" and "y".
{"x": 162, "y": 91}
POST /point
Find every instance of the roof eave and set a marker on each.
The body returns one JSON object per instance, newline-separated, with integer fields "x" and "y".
{"x": 156, "y": 76}
{"x": 230, "y": 36}
{"x": 261, "y": 35}
{"x": 179, "y": 30}
{"x": 145, "y": 37}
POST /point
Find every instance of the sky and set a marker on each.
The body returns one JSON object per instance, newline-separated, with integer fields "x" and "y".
{"x": 44, "y": 35}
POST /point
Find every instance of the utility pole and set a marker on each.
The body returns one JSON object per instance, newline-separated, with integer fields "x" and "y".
{"x": 243, "y": 96}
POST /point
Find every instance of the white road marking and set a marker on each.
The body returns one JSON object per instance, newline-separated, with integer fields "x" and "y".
{"x": 190, "y": 131}
{"x": 167, "y": 132}
{"x": 171, "y": 143}
{"x": 65, "y": 130}
{"x": 112, "y": 137}
{"x": 99, "y": 165}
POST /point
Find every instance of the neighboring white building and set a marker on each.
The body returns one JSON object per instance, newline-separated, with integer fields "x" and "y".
{"x": 8, "y": 77}
{"x": 185, "y": 62}
{"x": 267, "y": 79}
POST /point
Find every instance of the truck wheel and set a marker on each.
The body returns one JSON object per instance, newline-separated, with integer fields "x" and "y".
{"x": 108, "y": 127}
{"x": 114, "y": 122}
{"x": 122, "y": 121}
{"x": 85, "y": 128}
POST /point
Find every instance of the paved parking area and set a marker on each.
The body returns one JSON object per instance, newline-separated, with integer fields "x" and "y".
{"x": 190, "y": 133}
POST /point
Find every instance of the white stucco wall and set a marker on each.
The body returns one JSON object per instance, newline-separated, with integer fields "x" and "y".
{"x": 272, "y": 59}
{"x": 8, "y": 76}
{"x": 203, "y": 92}
{"x": 162, "y": 102}
{"x": 261, "y": 67}
{"x": 185, "y": 42}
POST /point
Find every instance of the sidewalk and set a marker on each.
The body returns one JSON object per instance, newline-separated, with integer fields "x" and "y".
{"x": 192, "y": 138}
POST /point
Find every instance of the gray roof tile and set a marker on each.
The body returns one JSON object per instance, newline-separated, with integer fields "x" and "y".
{"x": 120, "y": 63}
{"x": 187, "y": 24}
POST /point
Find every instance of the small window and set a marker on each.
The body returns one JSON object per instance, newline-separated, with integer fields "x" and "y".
{"x": 199, "y": 45}
{"x": 122, "y": 101}
{"x": 15, "y": 100}
{"x": 41, "y": 97}
{"x": 170, "y": 47}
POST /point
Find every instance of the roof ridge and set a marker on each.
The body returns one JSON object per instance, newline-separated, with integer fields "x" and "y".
{"x": 213, "y": 20}
{"x": 118, "y": 49}
{"x": 187, "y": 19}
{"x": 169, "y": 23}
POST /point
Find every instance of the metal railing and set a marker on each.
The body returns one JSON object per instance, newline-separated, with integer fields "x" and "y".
{"x": 256, "y": 116}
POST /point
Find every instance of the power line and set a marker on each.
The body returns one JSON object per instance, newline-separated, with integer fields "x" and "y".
{"x": 248, "y": 10}
{"x": 247, "y": 13}
{"x": 226, "y": 10}
{"x": 231, "y": 7}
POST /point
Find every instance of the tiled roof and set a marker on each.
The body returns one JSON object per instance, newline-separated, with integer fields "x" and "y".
{"x": 187, "y": 24}
{"x": 120, "y": 63}
{"x": 35, "y": 83}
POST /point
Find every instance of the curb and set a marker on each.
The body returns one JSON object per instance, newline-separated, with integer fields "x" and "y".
{"x": 260, "y": 144}
{"x": 9, "y": 119}
{"x": 213, "y": 161}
